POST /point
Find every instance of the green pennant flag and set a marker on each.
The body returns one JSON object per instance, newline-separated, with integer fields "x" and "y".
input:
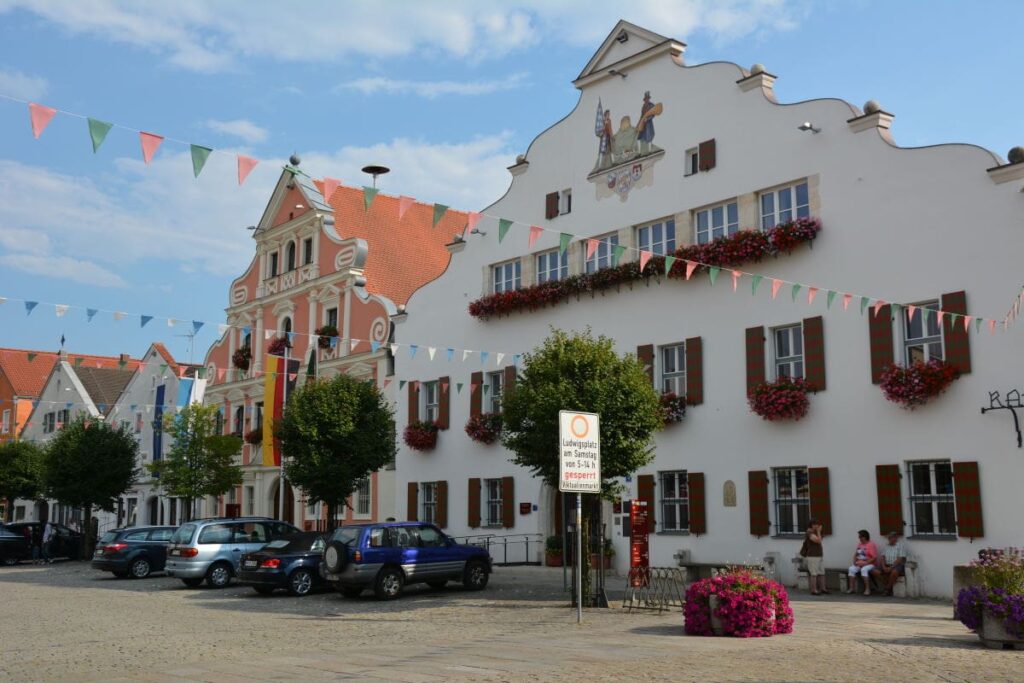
{"x": 98, "y": 132}
{"x": 163, "y": 367}
{"x": 713, "y": 274}
{"x": 485, "y": 389}
{"x": 458, "y": 387}
{"x": 122, "y": 363}
{"x": 952, "y": 319}
{"x": 669, "y": 262}
{"x": 617, "y": 252}
{"x": 796, "y": 290}
{"x": 503, "y": 225}
{"x": 439, "y": 211}
{"x": 31, "y": 357}
{"x": 831, "y": 298}
{"x": 563, "y": 242}
{"x": 401, "y": 384}
{"x": 199, "y": 157}
{"x": 78, "y": 361}
{"x": 925, "y": 314}
{"x": 368, "y": 194}
{"x": 977, "y": 324}
{"x": 755, "y": 282}
{"x": 863, "y": 304}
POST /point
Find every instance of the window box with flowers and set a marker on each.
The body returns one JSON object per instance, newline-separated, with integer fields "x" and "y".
{"x": 915, "y": 385}
{"x": 421, "y": 436}
{"x": 673, "y": 408}
{"x": 993, "y": 607}
{"x": 484, "y": 428}
{"x": 325, "y": 334}
{"x": 781, "y": 399}
{"x": 278, "y": 345}
{"x": 254, "y": 437}
{"x": 242, "y": 358}
{"x": 738, "y": 603}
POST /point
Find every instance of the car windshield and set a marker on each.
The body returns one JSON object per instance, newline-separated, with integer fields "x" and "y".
{"x": 346, "y": 535}
{"x": 108, "y": 537}
{"x": 184, "y": 533}
{"x": 295, "y": 543}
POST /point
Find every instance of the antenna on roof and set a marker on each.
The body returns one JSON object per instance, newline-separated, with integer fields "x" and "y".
{"x": 191, "y": 343}
{"x": 376, "y": 170}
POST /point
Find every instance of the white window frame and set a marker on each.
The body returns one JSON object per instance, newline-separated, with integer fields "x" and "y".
{"x": 49, "y": 422}
{"x": 602, "y": 257}
{"x": 672, "y": 364}
{"x": 714, "y": 222}
{"x": 493, "y": 504}
{"x": 928, "y": 343}
{"x": 5, "y": 423}
{"x": 362, "y": 497}
{"x": 932, "y": 498}
{"x": 250, "y": 500}
{"x": 552, "y": 265}
{"x": 665, "y": 245}
{"x": 791, "y": 365}
{"x": 794, "y": 503}
{"x": 428, "y": 502}
{"x": 496, "y": 382}
{"x": 669, "y": 482}
{"x": 507, "y": 276}
{"x": 273, "y": 264}
{"x": 565, "y": 202}
{"x": 692, "y": 162}
{"x": 431, "y": 401}
{"x": 773, "y": 215}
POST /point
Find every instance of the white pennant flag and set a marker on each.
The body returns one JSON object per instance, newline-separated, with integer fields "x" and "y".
{"x": 118, "y": 315}
{"x": 60, "y": 309}
{"x": 221, "y": 329}
{"x": 465, "y": 354}
{"x": 314, "y": 339}
{"x": 394, "y": 349}
{"x": 431, "y": 350}
{"x": 354, "y": 343}
{"x": 170, "y": 322}
{"x": 3, "y": 300}
{"x": 499, "y": 358}
{"x": 268, "y": 334}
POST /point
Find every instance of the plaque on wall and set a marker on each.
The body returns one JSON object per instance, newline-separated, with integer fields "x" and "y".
{"x": 729, "y": 494}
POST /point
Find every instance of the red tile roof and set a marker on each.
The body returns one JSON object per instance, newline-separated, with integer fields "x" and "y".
{"x": 29, "y": 376}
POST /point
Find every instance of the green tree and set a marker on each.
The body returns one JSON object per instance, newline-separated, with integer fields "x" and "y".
{"x": 201, "y": 462}
{"x": 334, "y": 433}
{"x": 90, "y": 464}
{"x": 578, "y": 372}
{"x": 21, "y": 472}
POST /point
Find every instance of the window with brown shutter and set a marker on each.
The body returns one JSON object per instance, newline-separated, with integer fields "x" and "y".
{"x": 698, "y": 513}
{"x": 955, "y": 338}
{"x": 473, "y": 507}
{"x": 755, "y": 357}
{"x": 645, "y": 354}
{"x": 757, "y": 492}
{"x": 441, "y": 504}
{"x": 814, "y": 352}
{"x": 444, "y": 402}
{"x": 890, "y": 499}
{"x": 414, "y": 402}
{"x": 967, "y": 490}
{"x": 510, "y": 379}
{"x": 706, "y": 155}
{"x": 476, "y": 394}
{"x": 412, "y": 501}
{"x": 508, "y": 502}
{"x": 880, "y": 337}
{"x": 645, "y": 491}
{"x": 694, "y": 371}
{"x": 551, "y": 205}
{"x": 821, "y": 498}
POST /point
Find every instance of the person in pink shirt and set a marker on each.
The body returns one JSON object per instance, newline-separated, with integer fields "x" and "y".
{"x": 864, "y": 559}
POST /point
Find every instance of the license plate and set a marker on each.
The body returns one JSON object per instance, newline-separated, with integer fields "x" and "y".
{"x": 99, "y": 552}
{"x": 249, "y": 564}
{"x": 174, "y": 552}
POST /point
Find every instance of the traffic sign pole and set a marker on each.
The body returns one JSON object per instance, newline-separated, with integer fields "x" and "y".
{"x": 579, "y": 558}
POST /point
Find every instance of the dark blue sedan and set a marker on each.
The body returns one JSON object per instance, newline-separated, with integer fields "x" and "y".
{"x": 290, "y": 562}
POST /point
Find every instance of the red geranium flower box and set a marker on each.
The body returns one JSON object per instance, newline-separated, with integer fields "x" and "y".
{"x": 782, "y": 399}
{"x": 915, "y": 385}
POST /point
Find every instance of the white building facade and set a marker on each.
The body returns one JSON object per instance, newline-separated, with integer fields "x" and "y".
{"x": 680, "y": 155}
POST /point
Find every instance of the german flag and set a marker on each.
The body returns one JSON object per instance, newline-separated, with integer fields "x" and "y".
{"x": 274, "y": 381}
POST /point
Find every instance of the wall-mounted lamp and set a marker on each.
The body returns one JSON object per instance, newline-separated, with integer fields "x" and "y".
{"x": 477, "y": 231}
{"x": 616, "y": 72}
{"x": 808, "y": 126}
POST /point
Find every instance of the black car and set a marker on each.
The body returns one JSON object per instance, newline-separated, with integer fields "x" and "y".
{"x": 14, "y": 547}
{"x": 290, "y": 562}
{"x": 135, "y": 551}
{"x": 66, "y": 542}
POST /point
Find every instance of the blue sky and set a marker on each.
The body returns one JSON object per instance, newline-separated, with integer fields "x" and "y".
{"x": 446, "y": 93}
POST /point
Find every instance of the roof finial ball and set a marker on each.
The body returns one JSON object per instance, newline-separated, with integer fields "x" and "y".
{"x": 872, "y": 107}
{"x": 757, "y": 69}
{"x": 1016, "y": 155}
{"x": 295, "y": 159}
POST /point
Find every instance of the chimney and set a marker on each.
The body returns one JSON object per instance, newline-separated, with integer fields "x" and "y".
{"x": 62, "y": 355}
{"x": 125, "y": 358}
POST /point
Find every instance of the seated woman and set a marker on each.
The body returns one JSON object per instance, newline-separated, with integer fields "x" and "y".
{"x": 864, "y": 559}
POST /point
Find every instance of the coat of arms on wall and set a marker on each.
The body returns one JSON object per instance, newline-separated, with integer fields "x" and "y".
{"x": 625, "y": 155}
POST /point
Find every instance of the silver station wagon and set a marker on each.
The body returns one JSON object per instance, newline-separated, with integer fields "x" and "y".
{"x": 210, "y": 549}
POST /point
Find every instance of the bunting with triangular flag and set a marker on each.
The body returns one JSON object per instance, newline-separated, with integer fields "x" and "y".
{"x": 98, "y": 132}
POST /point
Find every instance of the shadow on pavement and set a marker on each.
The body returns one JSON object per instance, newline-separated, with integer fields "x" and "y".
{"x": 674, "y": 629}
{"x": 968, "y": 642}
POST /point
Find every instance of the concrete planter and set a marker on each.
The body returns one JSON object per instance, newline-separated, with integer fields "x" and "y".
{"x": 994, "y": 636}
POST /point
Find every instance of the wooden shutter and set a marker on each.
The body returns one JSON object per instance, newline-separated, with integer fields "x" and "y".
{"x": 955, "y": 338}
{"x": 645, "y": 354}
{"x": 880, "y": 335}
{"x": 694, "y": 371}
{"x": 755, "y": 357}
{"x": 757, "y": 487}
{"x": 706, "y": 155}
{"x": 967, "y": 490}
{"x": 443, "y": 402}
{"x": 474, "y": 503}
{"x": 890, "y": 499}
{"x": 821, "y": 498}
{"x": 476, "y": 395}
{"x": 508, "y": 502}
{"x": 645, "y": 491}
{"x": 441, "y": 500}
{"x": 551, "y": 205}
{"x": 814, "y": 353}
{"x": 412, "y": 502}
{"x": 414, "y": 402}
{"x": 510, "y": 378}
{"x": 698, "y": 514}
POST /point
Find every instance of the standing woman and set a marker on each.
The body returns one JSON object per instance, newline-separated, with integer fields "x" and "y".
{"x": 814, "y": 556}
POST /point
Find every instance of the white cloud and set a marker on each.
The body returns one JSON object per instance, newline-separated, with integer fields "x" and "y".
{"x": 64, "y": 267}
{"x": 431, "y": 89}
{"x": 203, "y": 36}
{"x": 22, "y": 86}
{"x": 27, "y": 241}
{"x": 243, "y": 129}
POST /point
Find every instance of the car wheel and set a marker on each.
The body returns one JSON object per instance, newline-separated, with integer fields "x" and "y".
{"x": 389, "y": 583}
{"x": 475, "y": 576}
{"x": 336, "y": 557}
{"x": 264, "y": 590}
{"x": 219, "y": 575}
{"x": 120, "y": 575}
{"x": 192, "y": 583}
{"x": 437, "y": 584}
{"x": 351, "y": 591}
{"x": 141, "y": 568}
{"x": 300, "y": 582}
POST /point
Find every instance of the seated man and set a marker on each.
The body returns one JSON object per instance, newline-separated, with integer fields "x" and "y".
{"x": 894, "y": 562}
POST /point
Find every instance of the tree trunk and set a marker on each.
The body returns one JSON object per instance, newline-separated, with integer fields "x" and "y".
{"x": 189, "y": 502}
{"x": 332, "y": 512}
{"x": 89, "y": 542}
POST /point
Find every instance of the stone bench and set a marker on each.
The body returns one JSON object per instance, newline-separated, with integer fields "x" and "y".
{"x": 837, "y": 579}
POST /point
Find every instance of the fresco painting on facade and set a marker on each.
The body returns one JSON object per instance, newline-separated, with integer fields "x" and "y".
{"x": 625, "y": 154}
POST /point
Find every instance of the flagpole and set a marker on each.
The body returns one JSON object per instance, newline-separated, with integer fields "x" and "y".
{"x": 284, "y": 402}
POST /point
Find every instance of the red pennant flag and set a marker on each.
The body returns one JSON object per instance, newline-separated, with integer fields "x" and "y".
{"x": 40, "y": 117}
{"x": 645, "y": 256}
{"x": 535, "y": 232}
{"x": 471, "y": 220}
{"x": 967, "y": 322}
{"x": 878, "y": 306}
{"x": 220, "y": 374}
{"x": 404, "y": 204}
{"x": 386, "y": 382}
{"x": 472, "y": 387}
{"x": 330, "y": 185}
{"x": 592, "y": 246}
{"x": 736, "y": 279}
{"x": 911, "y": 310}
{"x": 150, "y": 143}
{"x": 992, "y": 326}
{"x": 245, "y": 166}
{"x": 690, "y": 267}
{"x": 847, "y": 298}
{"x": 811, "y": 293}
{"x": 941, "y": 314}
{"x": 776, "y": 285}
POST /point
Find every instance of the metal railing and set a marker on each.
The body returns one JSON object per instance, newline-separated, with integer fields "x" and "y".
{"x": 499, "y": 543}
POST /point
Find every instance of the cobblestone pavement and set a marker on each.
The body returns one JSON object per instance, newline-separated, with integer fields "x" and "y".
{"x": 68, "y": 622}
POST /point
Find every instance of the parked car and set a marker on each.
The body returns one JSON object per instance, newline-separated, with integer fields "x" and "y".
{"x": 14, "y": 547}
{"x": 134, "y": 551}
{"x": 291, "y": 562}
{"x": 387, "y": 557}
{"x": 66, "y": 542}
{"x": 211, "y": 549}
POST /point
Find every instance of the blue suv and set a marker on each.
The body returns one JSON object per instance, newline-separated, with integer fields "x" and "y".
{"x": 387, "y": 557}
